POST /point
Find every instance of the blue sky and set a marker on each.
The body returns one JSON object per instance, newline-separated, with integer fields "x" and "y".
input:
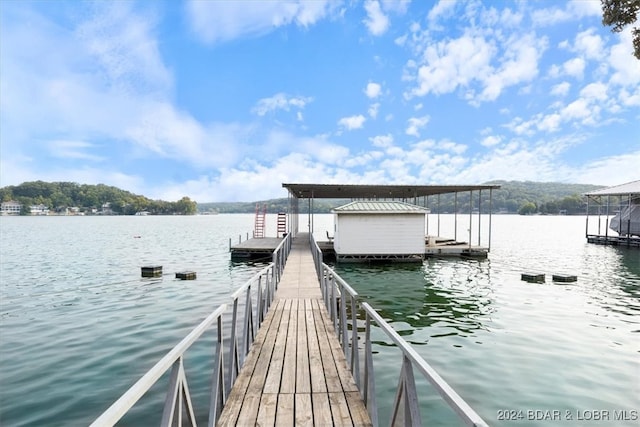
{"x": 226, "y": 100}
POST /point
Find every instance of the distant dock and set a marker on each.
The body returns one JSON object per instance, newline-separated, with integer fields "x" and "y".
{"x": 255, "y": 248}
{"x": 631, "y": 242}
{"x": 262, "y": 248}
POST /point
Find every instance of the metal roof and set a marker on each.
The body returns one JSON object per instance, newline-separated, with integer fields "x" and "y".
{"x": 357, "y": 191}
{"x": 630, "y": 188}
{"x": 380, "y": 207}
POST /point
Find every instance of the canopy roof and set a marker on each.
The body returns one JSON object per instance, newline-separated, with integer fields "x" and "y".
{"x": 356, "y": 191}
{"x": 377, "y": 207}
{"x": 629, "y": 189}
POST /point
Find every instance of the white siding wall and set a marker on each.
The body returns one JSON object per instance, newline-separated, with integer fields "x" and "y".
{"x": 372, "y": 234}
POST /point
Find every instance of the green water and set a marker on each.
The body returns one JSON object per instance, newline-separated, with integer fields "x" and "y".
{"x": 519, "y": 353}
{"x": 78, "y": 325}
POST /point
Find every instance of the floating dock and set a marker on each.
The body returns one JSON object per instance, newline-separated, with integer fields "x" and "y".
{"x": 631, "y": 242}
{"x": 255, "y": 248}
{"x": 262, "y": 248}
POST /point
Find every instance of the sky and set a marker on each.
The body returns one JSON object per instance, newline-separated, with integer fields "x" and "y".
{"x": 225, "y": 101}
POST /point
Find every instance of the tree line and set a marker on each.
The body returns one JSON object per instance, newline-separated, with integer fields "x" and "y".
{"x": 523, "y": 197}
{"x": 61, "y": 196}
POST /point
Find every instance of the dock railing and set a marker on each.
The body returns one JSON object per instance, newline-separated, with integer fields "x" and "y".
{"x": 250, "y": 304}
{"x": 343, "y": 306}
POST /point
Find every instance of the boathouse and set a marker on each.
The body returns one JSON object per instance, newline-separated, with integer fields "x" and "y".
{"x": 379, "y": 230}
{"x": 613, "y": 215}
{"x": 478, "y": 206}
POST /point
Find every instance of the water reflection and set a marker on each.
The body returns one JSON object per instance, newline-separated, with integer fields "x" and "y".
{"x": 453, "y": 295}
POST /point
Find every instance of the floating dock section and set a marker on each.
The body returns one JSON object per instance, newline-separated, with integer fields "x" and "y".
{"x": 255, "y": 248}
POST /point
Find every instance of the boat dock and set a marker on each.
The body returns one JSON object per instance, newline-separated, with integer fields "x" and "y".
{"x": 296, "y": 372}
{"x": 255, "y": 248}
{"x": 291, "y": 355}
{"x": 262, "y": 248}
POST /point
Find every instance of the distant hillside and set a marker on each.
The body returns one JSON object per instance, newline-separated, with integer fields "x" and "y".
{"x": 513, "y": 197}
{"x": 63, "y": 197}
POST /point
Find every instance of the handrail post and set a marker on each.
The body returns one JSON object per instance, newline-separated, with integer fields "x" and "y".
{"x": 369, "y": 379}
{"x": 355, "y": 354}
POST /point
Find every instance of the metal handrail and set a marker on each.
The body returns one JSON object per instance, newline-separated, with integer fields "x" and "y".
{"x": 407, "y": 395}
{"x": 118, "y": 409}
{"x": 336, "y": 292}
{"x": 260, "y": 288}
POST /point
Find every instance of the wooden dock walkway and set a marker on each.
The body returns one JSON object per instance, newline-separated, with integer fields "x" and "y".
{"x": 296, "y": 372}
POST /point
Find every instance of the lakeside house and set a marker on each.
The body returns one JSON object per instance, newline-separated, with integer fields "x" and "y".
{"x": 10, "y": 208}
{"x": 39, "y": 210}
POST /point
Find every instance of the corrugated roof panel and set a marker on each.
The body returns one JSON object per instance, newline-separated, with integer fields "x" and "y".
{"x": 375, "y": 206}
{"x": 632, "y": 187}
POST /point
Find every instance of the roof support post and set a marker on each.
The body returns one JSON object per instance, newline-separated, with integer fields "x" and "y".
{"x": 479, "y": 213}
{"x": 490, "y": 213}
{"x": 455, "y": 216}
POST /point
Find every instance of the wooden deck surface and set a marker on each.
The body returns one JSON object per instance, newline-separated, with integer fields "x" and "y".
{"x": 296, "y": 373}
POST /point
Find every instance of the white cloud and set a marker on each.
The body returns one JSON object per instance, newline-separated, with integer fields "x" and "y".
{"x": 589, "y": 44}
{"x": 352, "y": 122}
{"x": 595, "y": 92}
{"x": 561, "y": 89}
{"x": 66, "y": 149}
{"x": 221, "y": 21}
{"x": 453, "y": 63}
{"x": 382, "y": 141}
{"x": 373, "y": 90}
{"x": 626, "y": 67}
{"x": 599, "y": 171}
{"x": 443, "y": 8}
{"x": 491, "y": 141}
{"x": 574, "y": 67}
{"x": 520, "y": 64}
{"x": 397, "y": 6}
{"x": 279, "y": 101}
{"x": 373, "y": 110}
{"x": 167, "y": 132}
{"x": 377, "y": 22}
{"x": 451, "y": 146}
{"x": 415, "y": 124}
{"x": 573, "y": 10}
{"x": 124, "y": 45}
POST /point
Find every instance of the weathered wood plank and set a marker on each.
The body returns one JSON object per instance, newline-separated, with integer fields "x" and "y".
{"x": 303, "y": 378}
{"x": 303, "y": 409}
{"x": 267, "y": 411}
{"x": 274, "y": 376}
{"x": 340, "y": 409}
{"x": 321, "y": 409}
{"x": 249, "y": 411}
{"x": 318, "y": 382}
{"x": 233, "y": 405}
{"x": 295, "y": 373}
{"x": 285, "y": 410}
{"x": 288, "y": 383}
{"x": 348, "y": 383}
{"x": 328, "y": 363}
{"x": 357, "y": 409}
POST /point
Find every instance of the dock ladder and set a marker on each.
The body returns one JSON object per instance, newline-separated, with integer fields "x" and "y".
{"x": 258, "y": 229}
{"x": 282, "y": 224}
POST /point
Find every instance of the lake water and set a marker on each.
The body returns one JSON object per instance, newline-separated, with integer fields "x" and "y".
{"x": 79, "y": 325}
